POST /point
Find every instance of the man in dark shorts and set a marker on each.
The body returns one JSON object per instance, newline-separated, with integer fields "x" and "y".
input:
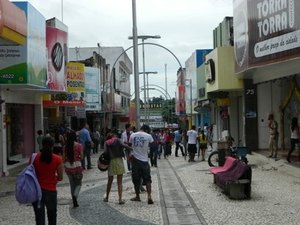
{"x": 140, "y": 166}
{"x": 192, "y": 143}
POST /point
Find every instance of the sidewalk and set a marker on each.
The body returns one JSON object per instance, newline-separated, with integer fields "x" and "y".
{"x": 92, "y": 209}
{"x": 275, "y": 197}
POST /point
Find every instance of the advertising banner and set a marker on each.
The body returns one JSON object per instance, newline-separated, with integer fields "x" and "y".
{"x": 57, "y": 45}
{"x": 75, "y": 81}
{"x": 92, "y": 86}
{"x": 27, "y": 63}
{"x": 75, "y": 89}
{"x": 180, "y": 104}
{"x": 13, "y": 24}
{"x": 265, "y": 32}
{"x": 132, "y": 114}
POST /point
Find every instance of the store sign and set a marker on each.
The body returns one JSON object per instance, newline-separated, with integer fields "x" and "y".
{"x": 151, "y": 106}
{"x": 26, "y": 64}
{"x": 223, "y": 102}
{"x": 50, "y": 103}
{"x": 210, "y": 71}
{"x": 75, "y": 82}
{"x": 57, "y": 44}
{"x": 266, "y": 31}
{"x": 92, "y": 86}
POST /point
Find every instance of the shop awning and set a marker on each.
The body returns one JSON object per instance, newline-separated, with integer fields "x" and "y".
{"x": 13, "y": 24}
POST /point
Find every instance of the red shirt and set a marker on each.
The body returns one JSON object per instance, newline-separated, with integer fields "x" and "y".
{"x": 76, "y": 167}
{"x": 167, "y": 138}
{"x": 46, "y": 173}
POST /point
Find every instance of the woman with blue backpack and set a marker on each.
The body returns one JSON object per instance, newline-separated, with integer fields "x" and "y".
{"x": 48, "y": 168}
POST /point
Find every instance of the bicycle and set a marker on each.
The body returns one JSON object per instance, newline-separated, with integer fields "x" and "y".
{"x": 235, "y": 152}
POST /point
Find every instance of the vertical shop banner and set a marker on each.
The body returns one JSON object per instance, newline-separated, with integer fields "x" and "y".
{"x": 75, "y": 82}
{"x": 92, "y": 86}
{"x": 180, "y": 104}
{"x": 132, "y": 114}
{"x": 269, "y": 29}
{"x": 27, "y": 63}
{"x": 57, "y": 45}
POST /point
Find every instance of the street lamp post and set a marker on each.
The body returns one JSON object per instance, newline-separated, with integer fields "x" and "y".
{"x": 135, "y": 64}
{"x": 143, "y": 38}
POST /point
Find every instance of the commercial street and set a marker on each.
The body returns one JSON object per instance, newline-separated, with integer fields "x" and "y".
{"x": 183, "y": 193}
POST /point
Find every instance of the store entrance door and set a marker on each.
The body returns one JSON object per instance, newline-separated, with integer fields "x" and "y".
{"x": 20, "y": 132}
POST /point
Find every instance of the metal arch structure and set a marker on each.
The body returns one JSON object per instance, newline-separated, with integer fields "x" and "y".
{"x": 145, "y": 43}
{"x": 149, "y": 43}
{"x": 117, "y": 59}
{"x": 161, "y": 90}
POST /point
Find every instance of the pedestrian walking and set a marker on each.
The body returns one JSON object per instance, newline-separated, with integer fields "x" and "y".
{"x": 125, "y": 138}
{"x": 86, "y": 140}
{"x": 114, "y": 147}
{"x": 59, "y": 142}
{"x": 202, "y": 144}
{"x": 192, "y": 143}
{"x": 48, "y": 167}
{"x": 39, "y": 139}
{"x": 294, "y": 138}
{"x": 72, "y": 155}
{"x": 96, "y": 140}
{"x": 177, "y": 140}
{"x": 167, "y": 143}
{"x": 184, "y": 139}
{"x": 140, "y": 167}
{"x": 161, "y": 143}
{"x": 153, "y": 154}
{"x": 210, "y": 136}
{"x": 273, "y": 141}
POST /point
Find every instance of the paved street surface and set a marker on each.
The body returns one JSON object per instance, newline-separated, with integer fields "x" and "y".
{"x": 183, "y": 193}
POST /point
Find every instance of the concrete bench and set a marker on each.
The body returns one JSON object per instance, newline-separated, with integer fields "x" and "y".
{"x": 235, "y": 181}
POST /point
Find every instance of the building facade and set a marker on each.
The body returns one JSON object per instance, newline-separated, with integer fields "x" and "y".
{"x": 267, "y": 53}
{"x": 114, "y": 84}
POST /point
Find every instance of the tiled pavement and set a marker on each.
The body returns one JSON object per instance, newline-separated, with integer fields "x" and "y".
{"x": 184, "y": 195}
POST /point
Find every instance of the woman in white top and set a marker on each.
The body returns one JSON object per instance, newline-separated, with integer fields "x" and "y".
{"x": 294, "y": 137}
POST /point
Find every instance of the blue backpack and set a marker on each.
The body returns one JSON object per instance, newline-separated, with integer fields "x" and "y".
{"x": 28, "y": 189}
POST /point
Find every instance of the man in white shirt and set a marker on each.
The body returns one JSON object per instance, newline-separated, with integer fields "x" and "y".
{"x": 192, "y": 143}
{"x": 140, "y": 167}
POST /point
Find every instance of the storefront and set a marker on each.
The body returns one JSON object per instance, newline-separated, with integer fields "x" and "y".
{"x": 225, "y": 92}
{"x": 267, "y": 52}
{"x": 23, "y": 76}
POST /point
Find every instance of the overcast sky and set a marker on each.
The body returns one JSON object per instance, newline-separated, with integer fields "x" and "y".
{"x": 184, "y": 26}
